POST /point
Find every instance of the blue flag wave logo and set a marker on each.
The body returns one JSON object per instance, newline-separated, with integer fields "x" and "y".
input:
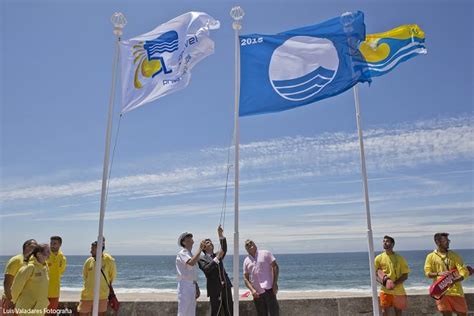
{"x": 298, "y": 67}
{"x": 298, "y": 81}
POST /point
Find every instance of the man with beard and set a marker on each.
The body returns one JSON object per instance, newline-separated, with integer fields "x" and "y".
{"x": 395, "y": 272}
{"x": 109, "y": 273}
{"x": 56, "y": 266}
{"x": 218, "y": 283}
{"x": 439, "y": 263}
{"x": 261, "y": 278}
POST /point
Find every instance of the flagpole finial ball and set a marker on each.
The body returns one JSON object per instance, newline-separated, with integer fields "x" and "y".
{"x": 237, "y": 13}
{"x": 119, "y": 21}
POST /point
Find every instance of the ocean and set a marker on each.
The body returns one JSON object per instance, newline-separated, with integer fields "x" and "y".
{"x": 298, "y": 272}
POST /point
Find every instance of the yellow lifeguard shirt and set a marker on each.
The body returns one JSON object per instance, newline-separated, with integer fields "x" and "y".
{"x": 30, "y": 286}
{"x": 394, "y": 266}
{"x": 437, "y": 262}
{"x": 88, "y": 272}
{"x": 57, "y": 266}
{"x": 14, "y": 264}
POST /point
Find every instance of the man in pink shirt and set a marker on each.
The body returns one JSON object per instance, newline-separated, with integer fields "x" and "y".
{"x": 261, "y": 277}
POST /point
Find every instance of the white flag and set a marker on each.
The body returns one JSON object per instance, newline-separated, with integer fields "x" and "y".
{"x": 159, "y": 62}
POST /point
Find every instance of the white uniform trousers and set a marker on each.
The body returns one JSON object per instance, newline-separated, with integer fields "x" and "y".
{"x": 186, "y": 298}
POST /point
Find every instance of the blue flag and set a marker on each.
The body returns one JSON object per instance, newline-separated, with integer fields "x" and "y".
{"x": 302, "y": 66}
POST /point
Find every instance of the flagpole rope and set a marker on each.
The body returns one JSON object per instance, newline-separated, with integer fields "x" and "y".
{"x": 113, "y": 154}
{"x": 228, "y": 167}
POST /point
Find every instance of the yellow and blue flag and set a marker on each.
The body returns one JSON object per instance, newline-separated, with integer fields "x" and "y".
{"x": 384, "y": 51}
{"x": 298, "y": 67}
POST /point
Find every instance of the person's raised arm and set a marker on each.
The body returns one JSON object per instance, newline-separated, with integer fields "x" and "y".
{"x": 195, "y": 258}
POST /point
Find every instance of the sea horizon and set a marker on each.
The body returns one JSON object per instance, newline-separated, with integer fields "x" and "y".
{"x": 244, "y": 254}
{"x": 310, "y": 272}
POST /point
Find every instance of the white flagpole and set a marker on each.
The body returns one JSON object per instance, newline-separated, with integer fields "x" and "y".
{"x": 119, "y": 21}
{"x": 237, "y": 14}
{"x": 370, "y": 238}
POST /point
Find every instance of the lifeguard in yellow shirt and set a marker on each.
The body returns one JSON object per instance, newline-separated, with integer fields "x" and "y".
{"x": 30, "y": 286}
{"x": 88, "y": 272}
{"x": 437, "y": 264}
{"x": 395, "y": 270}
{"x": 57, "y": 266}
{"x": 11, "y": 269}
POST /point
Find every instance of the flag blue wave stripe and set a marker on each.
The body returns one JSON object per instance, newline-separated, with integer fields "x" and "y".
{"x": 417, "y": 48}
{"x": 397, "y": 54}
{"x": 161, "y": 51}
{"x": 162, "y": 47}
{"x": 149, "y": 46}
{"x": 321, "y": 71}
{"x": 169, "y": 50}
{"x": 318, "y": 80}
{"x": 303, "y": 95}
{"x": 381, "y": 71}
{"x": 420, "y": 50}
{"x": 155, "y": 43}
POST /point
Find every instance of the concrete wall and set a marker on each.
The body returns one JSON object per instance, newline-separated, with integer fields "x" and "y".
{"x": 361, "y": 306}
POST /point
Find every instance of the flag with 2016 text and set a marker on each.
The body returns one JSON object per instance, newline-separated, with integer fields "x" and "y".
{"x": 301, "y": 66}
{"x": 159, "y": 62}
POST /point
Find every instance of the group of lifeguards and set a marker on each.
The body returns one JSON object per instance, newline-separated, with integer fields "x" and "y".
{"x": 32, "y": 280}
{"x": 393, "y": 271}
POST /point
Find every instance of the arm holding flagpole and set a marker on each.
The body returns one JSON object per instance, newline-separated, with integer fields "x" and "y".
{"x": 119, "y": 21}
{"x": 237, "y": 14}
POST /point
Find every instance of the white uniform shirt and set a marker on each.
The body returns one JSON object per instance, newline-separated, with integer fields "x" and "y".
{"x": 185, "y": 271}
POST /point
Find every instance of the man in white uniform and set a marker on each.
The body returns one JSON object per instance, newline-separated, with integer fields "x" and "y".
{"x": 188, "y": 288}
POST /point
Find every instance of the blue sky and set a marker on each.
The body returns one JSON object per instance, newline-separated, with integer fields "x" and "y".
{"x": 300, "y": 177}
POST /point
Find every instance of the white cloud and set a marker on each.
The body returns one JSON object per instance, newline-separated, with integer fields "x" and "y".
{"x": 289, "y": 158}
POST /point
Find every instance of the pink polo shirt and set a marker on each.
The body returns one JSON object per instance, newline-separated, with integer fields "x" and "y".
{"x": 260, "y": 270}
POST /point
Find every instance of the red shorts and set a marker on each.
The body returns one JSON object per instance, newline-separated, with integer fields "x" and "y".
{"x": 390, "y": 300}
{"x": 53, "y": 304}
{"x": 452, "y": 304}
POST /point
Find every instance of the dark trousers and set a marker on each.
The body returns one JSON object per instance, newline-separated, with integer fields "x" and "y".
{"x": 267, "y": 304}
{"x": 222, "y": 303}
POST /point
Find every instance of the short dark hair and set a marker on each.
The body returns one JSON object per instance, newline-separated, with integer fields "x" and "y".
{"x": 438, "y": 236}
{"x": 28, "y": 242}
{"x": 95, "y": 243}
{"x": 389, "y": 238}
{"x": 248, "y": 242}
{"x": 38, "y": 249}
{"x": 58, "y": 238}
{"x": 206, "y": 240}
